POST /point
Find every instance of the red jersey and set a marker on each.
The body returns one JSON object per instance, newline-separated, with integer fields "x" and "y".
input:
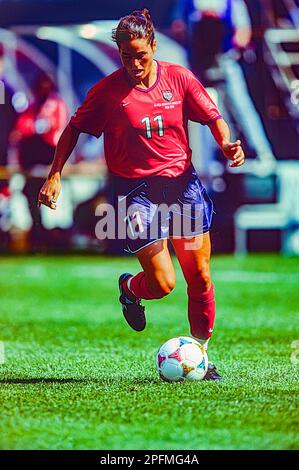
{"x": 146, "y": 130}
{"x": 47, "y": 120}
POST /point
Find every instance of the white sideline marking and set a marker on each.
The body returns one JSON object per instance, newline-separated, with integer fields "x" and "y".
{"x": 102, "y": 272}
{"x": 34, "y": 272}
{"x": 255, "y": 277}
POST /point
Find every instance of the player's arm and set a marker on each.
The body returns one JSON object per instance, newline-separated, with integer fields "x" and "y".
{"x": 201, "y": 108}
{"x": 50, "y": 191}
{"x": 231, "y": 150}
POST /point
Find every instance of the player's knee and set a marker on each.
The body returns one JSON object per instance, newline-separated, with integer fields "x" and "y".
{"x": 162, "y": 285}
{"x": 201, "y": 280}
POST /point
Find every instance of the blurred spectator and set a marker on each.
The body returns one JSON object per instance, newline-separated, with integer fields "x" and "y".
{"x": 35, "y": 136}
{"x": 37, "y": 129}
{"x": 218, "y": 31}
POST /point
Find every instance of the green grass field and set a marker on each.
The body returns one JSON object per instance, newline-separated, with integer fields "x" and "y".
{"x": 76, "y": 377}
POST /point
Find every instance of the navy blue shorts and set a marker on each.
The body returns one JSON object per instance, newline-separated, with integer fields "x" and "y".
{"x": 159, "y": 207}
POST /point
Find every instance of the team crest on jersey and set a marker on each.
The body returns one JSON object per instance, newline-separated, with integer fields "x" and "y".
{"x": 167, "y": 95}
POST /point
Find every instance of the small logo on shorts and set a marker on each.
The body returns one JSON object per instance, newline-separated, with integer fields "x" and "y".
{"x": 167, "y": 95}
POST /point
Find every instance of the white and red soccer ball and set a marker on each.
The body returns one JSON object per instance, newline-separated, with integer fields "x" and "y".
{"x": 180, "y": 359}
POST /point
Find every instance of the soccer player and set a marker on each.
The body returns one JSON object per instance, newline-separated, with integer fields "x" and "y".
{"x": 143, "y": 111}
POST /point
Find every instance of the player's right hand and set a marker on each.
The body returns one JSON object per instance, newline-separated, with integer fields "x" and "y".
{"x": 50, "y": 191}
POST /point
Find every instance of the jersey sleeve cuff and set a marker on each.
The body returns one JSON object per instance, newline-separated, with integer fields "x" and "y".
{"x": 212, "y": 120}
{"x": 84, "y": 131}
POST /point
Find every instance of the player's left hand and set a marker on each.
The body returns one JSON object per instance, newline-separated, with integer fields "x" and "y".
{"x": 234, "y": 152}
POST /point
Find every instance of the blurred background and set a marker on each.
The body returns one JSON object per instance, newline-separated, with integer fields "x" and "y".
{"x": 245, "y": 52}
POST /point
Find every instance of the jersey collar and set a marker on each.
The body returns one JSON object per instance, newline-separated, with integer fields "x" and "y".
{"x": 147, "y": 90}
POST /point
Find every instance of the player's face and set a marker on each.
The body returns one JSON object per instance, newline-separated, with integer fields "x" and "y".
{"x": 137, "y": 57}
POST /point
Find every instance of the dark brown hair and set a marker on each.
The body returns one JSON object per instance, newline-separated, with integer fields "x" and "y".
{"x": 136, "y": 25}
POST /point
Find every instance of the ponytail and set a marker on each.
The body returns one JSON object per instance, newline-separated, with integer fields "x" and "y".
{"x": 136, "y": 25}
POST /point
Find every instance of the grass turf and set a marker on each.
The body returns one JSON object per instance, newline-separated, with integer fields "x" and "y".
{"x": 76, "y": 377}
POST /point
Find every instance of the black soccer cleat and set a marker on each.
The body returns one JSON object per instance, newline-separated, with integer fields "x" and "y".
{"x": 212, "y": 373}
{"x": 132, "y": 309}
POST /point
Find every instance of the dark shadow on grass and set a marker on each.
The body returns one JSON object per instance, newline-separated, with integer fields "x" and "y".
{"x": 101, "y": 381}
{"x": 41, "y": 380}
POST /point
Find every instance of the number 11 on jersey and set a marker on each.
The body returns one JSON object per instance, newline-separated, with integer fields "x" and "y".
{"x": 147, "y": 121}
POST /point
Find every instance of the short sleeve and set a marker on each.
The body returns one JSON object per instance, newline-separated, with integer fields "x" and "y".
{"x": 90, "y": 117}
{"x": 200, "y": 106}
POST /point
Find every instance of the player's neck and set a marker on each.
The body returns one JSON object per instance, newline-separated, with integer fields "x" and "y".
{"x": 151, "y": 78}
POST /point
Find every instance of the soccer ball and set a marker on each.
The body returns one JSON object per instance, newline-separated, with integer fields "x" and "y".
{"x": 180, "y": 359}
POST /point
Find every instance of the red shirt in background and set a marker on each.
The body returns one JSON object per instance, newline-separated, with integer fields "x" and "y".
{"x": 46, "y": 120}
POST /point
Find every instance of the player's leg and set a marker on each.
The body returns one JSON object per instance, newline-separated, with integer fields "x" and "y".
{"x": 194, "y": 257}
{"x": 157, "y": 278}
{"x": 155, "y": 281}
